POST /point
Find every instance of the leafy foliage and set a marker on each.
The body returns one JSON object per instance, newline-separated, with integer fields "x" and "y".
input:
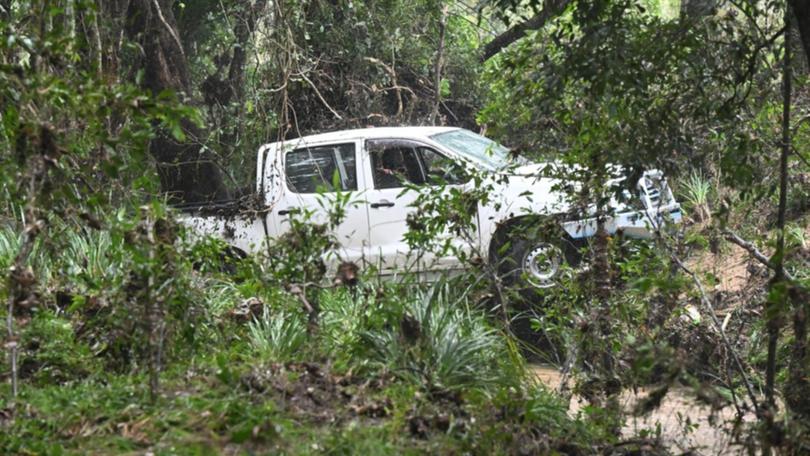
{"x": 108, "y": 294}
{"x": 588, "y": 75}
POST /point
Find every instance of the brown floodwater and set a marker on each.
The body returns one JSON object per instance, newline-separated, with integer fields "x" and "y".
{"x": 685, "y": 423}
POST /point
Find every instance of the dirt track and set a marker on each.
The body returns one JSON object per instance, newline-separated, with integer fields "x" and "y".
{"x": 685, "y": 423}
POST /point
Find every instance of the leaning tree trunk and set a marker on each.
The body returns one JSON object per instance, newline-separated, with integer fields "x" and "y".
{"x": 551, "y": 9}
{"x": 187, "y": 174}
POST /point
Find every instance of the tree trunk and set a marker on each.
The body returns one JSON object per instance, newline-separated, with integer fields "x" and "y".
{"x": 243, "y": 30}
{"x": 801, "y": 13}
{"x": 777, "y": 298}
{"x": 437, "y": 68}
{"x": 696, "y": 9}
{"x": 245, "y": 24}
{"x": 797, "y": 389}
{"x": 112, "y": 15}
{"x": 187, "y": 174}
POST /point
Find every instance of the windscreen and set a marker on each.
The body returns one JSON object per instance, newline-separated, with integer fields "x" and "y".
{"x": 475, "y": 148}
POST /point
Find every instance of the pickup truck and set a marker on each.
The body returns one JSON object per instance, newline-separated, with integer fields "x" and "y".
{"x": 375, "y": 165}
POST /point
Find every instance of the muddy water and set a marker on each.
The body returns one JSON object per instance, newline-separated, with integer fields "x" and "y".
{"x": 684, "y": 422}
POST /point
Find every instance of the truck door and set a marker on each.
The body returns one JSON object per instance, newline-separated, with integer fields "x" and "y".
{"x": 392, "y": 164}
{"x": 313, "y": 176}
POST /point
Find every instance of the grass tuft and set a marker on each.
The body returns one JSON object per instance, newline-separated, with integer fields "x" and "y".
{"x": 277, "y": 337}
{"x": 441, "y": 344}
{"x": 696, "y": 191}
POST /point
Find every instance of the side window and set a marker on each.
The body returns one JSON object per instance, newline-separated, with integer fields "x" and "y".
{"x": 394, "y": 163}
{"x": 440, "y": 169}
{"x": 313, "y": 168}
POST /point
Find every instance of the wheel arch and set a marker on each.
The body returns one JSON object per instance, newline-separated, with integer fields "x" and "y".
{"x": 234, "y": 252}
{"x": 536, "y": 221}
{"x": 504, "y": 229}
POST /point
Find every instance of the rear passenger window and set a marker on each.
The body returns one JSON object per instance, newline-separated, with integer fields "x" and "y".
{"x": 314, "y": 169}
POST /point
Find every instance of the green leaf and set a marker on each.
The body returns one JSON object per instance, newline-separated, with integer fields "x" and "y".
{"x": 177, "y": 132}
{"x": 444, "y": 87}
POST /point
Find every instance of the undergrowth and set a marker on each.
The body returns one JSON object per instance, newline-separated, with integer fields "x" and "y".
{"x": 386, "y": 367}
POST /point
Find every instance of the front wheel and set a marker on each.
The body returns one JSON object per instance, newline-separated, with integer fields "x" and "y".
{"x": 532, "y": 259}
{"x": 541, "y": 264}
{"x": 535, "y": 259}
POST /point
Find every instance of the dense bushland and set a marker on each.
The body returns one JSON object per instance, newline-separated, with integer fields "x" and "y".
{"x": 124, "y": 332}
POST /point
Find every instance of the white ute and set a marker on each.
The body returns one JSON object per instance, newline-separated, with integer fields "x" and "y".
{"x": 371, "y": 164}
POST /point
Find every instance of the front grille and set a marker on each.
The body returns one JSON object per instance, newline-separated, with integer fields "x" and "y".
{"x": 654, "y": 191}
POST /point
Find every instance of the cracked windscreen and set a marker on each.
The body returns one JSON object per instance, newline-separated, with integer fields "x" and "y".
{"x": 476, "y": 148}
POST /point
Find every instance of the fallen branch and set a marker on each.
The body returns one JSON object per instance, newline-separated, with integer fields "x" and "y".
{"x": 719, "y": 328}
{"x": 751, "y": 248}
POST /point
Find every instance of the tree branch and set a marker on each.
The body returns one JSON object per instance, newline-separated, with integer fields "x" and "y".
{"x": 751, "y": 248}
{"x": 303, "y": 76}
{"x": 552, "y": 9}
{"x": 169, "y": 28}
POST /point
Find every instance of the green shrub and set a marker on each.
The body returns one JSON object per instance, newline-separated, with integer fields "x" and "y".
{"x": 344, "y": 317}
{"x": 51, "y": 352}
{"x": 9, "y": 245}
{"x": 10, "y": 239}
{"x": 91, "y": 257}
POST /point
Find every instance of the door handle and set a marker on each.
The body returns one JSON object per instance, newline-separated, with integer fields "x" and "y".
{"x": 288, "y": 211}
{"x": 383, "y": 203}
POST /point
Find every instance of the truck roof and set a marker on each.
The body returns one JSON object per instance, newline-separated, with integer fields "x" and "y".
{"x": 370, "y": 133}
